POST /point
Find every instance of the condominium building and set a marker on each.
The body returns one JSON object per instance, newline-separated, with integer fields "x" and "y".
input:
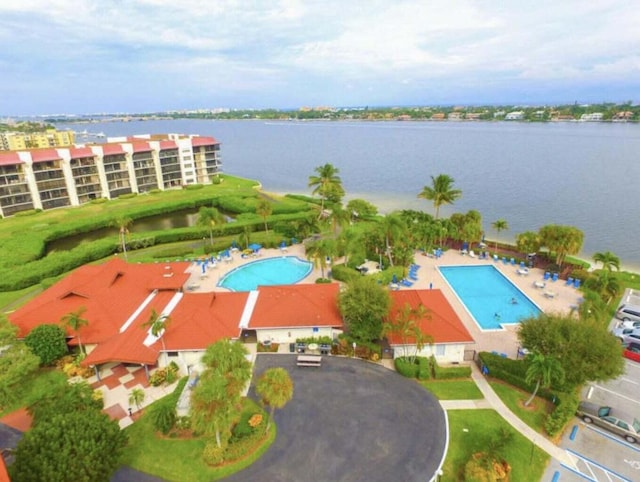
{"x": 57, "y": 177}
{"x": 15, "y": 141}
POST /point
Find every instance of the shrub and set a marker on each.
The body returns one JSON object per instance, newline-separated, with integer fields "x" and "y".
{"x": 163, "y": 416}
{"x": 564, "y": 412}
{"x": 343, "y": 273}
{"x": 447, "y": 373}
{"x": 48, "y": 342}
{"x": 212, "y": 454}
{"x": 405, "y": 368}
{"x": 175, "y": 252}
{"x": 424, "y": 368}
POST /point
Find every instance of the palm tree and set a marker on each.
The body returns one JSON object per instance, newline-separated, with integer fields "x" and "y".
{"x": 264, "y": 209}
{"x": 605, "y": 284}
{"x": 592, "y": 307}
{"x": 391, "y": 228}
{"x": 75, "y": 321}
{"x": 499, "y": 225}
{"x": 123, "y": 224}
{"x": 440, "y": 192}
{"x": 318, "y": 252}
{"x": 543, "y": 370}
{"x": 158, "y": 324}
{"x": 209, "y": 218}
{"x": 327, "y": 184}
{"x": 275, "y": 389}
{"x": 136, "y": 397}
{"x": 608, "y": 260}
{"x": 406, "y": 324}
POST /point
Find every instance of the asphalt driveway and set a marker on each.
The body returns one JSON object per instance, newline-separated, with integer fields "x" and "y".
{"x": 349, "y": 421}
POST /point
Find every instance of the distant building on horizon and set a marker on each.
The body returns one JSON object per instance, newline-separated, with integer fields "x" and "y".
{"x": 15, "y": 141}
{"x": 71, "y": 176}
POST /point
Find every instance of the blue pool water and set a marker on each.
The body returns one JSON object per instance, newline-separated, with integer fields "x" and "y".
{"x": 285, "y": 270}
{"x": 487, "y": 294}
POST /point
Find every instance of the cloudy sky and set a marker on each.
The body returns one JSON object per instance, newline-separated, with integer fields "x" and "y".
{"x": 86, "y": 56}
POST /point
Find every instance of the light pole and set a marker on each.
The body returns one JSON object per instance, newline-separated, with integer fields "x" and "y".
{"x": 354, "y": 349}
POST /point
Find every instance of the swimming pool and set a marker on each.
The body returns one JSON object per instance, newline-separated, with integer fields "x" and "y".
{"x": 490, "y": 298}
{"x": 285, "y": 270}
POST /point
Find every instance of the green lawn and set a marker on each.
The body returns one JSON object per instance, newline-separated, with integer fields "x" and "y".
{"x": 513, "y": 397}
{"x": 10, "y": 300}
{"x": 470, "y": 431}
{"x": 453, "y": 389}
{"x": 180, "y": 459}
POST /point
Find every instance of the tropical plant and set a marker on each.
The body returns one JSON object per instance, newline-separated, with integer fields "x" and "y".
{"x": 391, "y": 228}
{"x": 440, "y": 192}
{"x": 209, "y": 218}
{"x": 405, "y": 322}
{"x": 605, "y": 284}
{"x": 561, "y": 240}
{"x": 528, "y": 242}
{"x": 319, "y": 252}
{"x": 591, "y": 307}
{"x": 48, "y": 342}
{"x": 500, "y": 225}
{"x": 327, "y": 184}
{"x": 542, "y": 370}
{"x": 123, "y": 224}
{"x": 136, "y": 397}
{"x": 163, "y": 416}
{"x": 16, "y": 363}
{"x": 75, "y": 321}
{"x": 158, "y": 325}
{"x": 608, "y": 260}
{"x": 275, "y": 389}
{"x": 359, "y": 208}
{"x": 264, "y": 209}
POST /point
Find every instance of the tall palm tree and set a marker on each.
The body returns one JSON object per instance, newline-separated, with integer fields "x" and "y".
{"x": 275, "y": 388}
{"x": 136, "y": 397}
{"x": 406, "y": 324}
{"x": 264, "y": 209}
{"x": 318, "y": 252}
{"x": 499, "y": 225}
{"x": 123, "y": 224}
{"x": 392, "y": 228}
{"x": 605, "y": 284}
{"x": 543, "y": 370}
{"x": 158, "y": 324}
{"x": 75, "y": 321}
{"x": 327, "y": 184}
{"x": 209, "y": 218}
{"x": 608, "y": 260}
{"x": 440, "y": 192}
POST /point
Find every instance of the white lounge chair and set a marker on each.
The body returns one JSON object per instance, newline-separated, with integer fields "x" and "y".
{"x": 472, "y": 254}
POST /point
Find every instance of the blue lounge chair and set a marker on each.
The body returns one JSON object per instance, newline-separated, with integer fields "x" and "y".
{"x": 406, "y": 282}
{"x": 576, "y": 283}
{"x": 554, "y": 277}
{"x": 513, "y": 261}
{"x": 504, "y": 260}
{"x": 495, "y": 258}
{"x": 547, "y": 275}
{"x": 522, "y": 264}
{"x": 413, "y": 277}
{"x": 569, "y": 281}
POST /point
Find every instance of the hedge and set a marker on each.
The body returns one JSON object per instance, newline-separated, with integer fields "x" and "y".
{"x": 405, "y": 368}
{"x": 567, "y": 405}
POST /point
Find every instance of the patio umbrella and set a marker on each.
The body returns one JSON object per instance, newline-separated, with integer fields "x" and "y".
{"x": 255, "y": 246}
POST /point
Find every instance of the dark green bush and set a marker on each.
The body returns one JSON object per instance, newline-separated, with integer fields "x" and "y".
{"x": 175, "y": 252}
{"x": 567, "y": 404}
{"x": 48, "y": 342}
{"x": 405, "y": 368}
{"x": 424, "y": 368}
{"x": 447, "y": 373}
{"x": 163, "y": 416}
{"x": 342, "y": 273}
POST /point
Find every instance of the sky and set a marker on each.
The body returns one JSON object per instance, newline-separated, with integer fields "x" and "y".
{"x": 132, "y": 56}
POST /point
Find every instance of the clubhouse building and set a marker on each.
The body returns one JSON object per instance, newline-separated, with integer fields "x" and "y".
{"x": 70, "y": 176}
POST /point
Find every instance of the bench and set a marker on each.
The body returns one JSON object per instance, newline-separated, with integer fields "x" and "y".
{"x": 309, "y": 361}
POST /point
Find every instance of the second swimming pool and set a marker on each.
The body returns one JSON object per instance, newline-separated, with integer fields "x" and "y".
{"x": 285, "y": 270}
{"x": 490, "y": 298}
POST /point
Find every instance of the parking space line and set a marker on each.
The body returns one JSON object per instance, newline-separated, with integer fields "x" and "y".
{"x": 617, "y": 394}
{"x": 613, "y": 437}
{"x": 628, "y": 380}
{"x": 588, "y": 462}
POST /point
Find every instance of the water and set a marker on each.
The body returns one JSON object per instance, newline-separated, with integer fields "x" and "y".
{"x": 528, "y": 174}
{"x": 490, "y": 298}
{"x": 286, "y": 270}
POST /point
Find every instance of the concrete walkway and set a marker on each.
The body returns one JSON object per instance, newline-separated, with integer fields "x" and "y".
{"x": 493, "y": 401}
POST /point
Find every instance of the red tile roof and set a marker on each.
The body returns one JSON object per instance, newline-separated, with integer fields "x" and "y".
{"x": 42, "y": 155}
{"x": 441, "y": 323}
{"x": 198, "y": 141}
{"x": 168, "y": 145}
{"x": 141, "y": 146}
{"x": 297, "y": 306}
{"x": 9, "y": 159}
{"x": 110, "y": 149}
{"x": 79, "y": 152}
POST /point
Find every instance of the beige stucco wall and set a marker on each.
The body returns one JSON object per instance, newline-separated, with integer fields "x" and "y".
{"x": 289, "y": 335}
{"x": 453, "y": 353}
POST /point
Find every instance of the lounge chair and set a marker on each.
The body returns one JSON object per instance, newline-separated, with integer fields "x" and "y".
{"x": 569, "y": 281}
{"x": 513, "y": 261}
{"x": 554, "y": 278}
{"x": 472, "y": 254}
{"x": 547, "y": 275}
{"x": 504, "y": 260}
{"x": 550, "y": 294}
{"x": 406, "y": 282}
{"x": 539, "y": 284}
{"x": 495, "y": 258}
{"x": 576, "y": 283}
{"x": 522, "y": 264}
{"x": 523, "y": 271}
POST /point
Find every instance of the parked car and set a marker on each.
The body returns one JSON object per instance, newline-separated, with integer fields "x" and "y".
{"x": 628, "y": 312}
{"x": 632, "y": 351}
{"x": 627, "y": 335}
{"x": 624, "y": 425}
{"x": 628, "y": 324}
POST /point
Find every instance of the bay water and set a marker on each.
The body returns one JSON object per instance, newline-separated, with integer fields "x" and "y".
{"x": 585, "y": 175}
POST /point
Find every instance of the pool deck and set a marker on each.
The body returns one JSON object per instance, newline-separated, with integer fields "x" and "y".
{"x": 502, "y": 341}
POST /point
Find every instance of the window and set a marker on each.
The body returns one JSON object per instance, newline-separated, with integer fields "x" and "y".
{"x": 623, "y": 425}
{"x": 440, "y": 350}
{"x": 172, "y": 354}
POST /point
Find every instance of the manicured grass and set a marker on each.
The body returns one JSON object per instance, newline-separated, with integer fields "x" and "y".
{"x": 514, "y": 398}
{"x": 453, "y": 389}
{"x": 181, "y": 459}
{"x": 34, "y": 387}
{"x": 10, "y": 300}
{"x": 471, "y": 430}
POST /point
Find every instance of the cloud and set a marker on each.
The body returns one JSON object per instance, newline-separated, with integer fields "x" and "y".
{"x": 271, "y": 53}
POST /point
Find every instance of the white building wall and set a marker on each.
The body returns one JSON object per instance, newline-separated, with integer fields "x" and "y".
{"x": 444, "y": 353}
{"x": 104, "y": 185}
{"x": 289, "y": 335}
{"x": 68, "y": 176}
{"x": 31, "y": 178}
